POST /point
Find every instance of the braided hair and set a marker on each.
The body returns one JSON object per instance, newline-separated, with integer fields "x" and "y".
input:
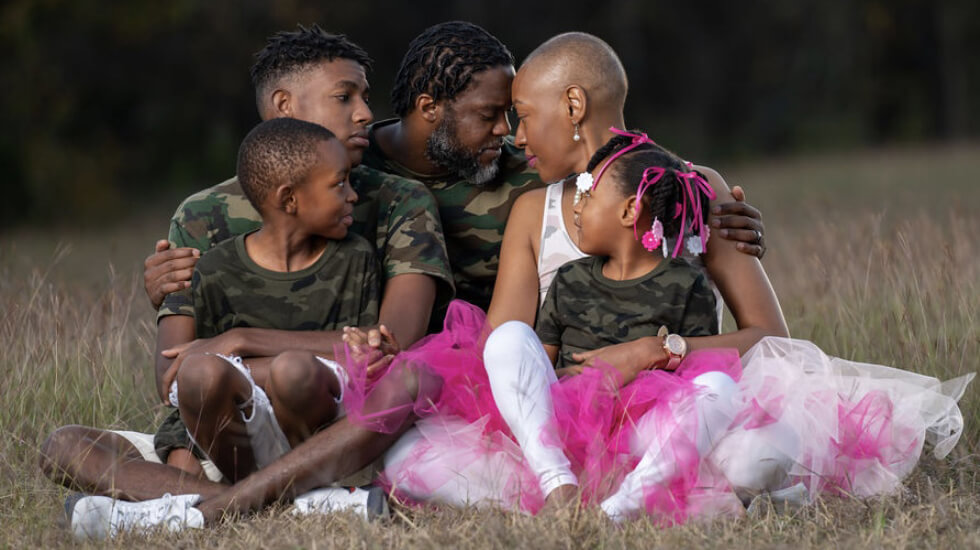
{"x": 288, "y": 52}
{"x": 661, "y": 198}
{"x": 442, "y": 61}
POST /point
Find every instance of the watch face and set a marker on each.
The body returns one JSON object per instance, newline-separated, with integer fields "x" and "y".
{"x": 676, "y": 344}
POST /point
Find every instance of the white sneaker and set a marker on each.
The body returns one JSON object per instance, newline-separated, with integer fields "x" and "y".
{"x": 782, "y": 501}
{"x": 98, "y": 517}
{"x": 370, "y": 503}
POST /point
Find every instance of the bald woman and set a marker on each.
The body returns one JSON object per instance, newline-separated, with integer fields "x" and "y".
{"x": 567, "y": 94}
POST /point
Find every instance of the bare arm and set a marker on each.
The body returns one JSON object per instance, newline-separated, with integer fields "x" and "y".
{"x": 741, "y": 222}
{"x": 172, "y": 330}
{"x": 515, "y": 294}
{"x": 407, "y": 305}
{"x": 744, "y": 286}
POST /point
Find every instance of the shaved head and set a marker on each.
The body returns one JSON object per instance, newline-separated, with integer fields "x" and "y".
{"x": 584, "y": 60}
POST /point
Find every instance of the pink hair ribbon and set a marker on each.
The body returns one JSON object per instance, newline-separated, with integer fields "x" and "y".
{"x": 638, "y": 139}
{"x": 691, "y": 183}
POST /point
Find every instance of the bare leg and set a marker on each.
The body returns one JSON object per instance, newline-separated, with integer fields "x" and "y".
{"x": 303, "y": 392}
{"x": 104, "y": 463}
{"x": 332, "y": 454}
{"x": 212, "y": 396}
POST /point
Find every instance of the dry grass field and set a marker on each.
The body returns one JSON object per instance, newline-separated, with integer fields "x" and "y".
{"x": 873, "y": 256}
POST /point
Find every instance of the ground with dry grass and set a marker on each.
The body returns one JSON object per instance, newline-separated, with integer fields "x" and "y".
{"x": 873, "y": 256}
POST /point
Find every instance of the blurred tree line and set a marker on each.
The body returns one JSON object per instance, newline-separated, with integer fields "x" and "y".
{"x": 108, "y": 103}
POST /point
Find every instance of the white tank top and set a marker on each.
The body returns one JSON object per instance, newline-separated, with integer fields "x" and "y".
{"x": 557, "y": 248}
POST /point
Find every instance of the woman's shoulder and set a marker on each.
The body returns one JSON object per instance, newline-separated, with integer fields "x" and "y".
{"x": 717, "y": 183}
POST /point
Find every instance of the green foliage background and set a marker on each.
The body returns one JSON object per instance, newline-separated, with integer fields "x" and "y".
{"x": 107, "y": 103}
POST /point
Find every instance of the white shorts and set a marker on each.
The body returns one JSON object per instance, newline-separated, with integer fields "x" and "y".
{"x": 266, "y": 437}
{"x": 144, "y": 444}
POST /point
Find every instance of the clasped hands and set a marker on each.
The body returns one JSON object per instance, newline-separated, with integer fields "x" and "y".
{"x": 376, "y": 347}
{"x": 628, "y": 358}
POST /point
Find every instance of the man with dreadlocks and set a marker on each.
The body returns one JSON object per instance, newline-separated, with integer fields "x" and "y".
{"x": 452, "y": 95}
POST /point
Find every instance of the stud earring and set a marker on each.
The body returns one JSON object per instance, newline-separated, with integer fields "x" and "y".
{"x": 576, "y": 137}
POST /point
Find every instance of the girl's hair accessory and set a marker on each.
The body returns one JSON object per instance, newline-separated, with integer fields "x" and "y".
{"x": 653, "y": 237}
{"x": 583, "y": 184}
{"x": 637, "y": 140}
{"x": 693, "y": 185}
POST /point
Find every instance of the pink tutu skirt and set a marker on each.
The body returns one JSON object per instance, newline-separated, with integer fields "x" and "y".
{"x": 843, "y": 427}
{"x": 849, "y": 428}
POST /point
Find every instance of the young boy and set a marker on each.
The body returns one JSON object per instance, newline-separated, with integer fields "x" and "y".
{"x": 301, "y": 270}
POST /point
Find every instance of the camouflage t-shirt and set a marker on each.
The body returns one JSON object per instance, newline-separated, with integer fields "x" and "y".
{"x": 473, "y": 218}
{"x": 398, "y": 215}
{"x": 584, "y": 310}
{"x": 230, "y": 290}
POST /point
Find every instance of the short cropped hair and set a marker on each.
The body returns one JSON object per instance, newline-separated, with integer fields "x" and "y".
{"x": 290, "y": 52}
{"x": 442, "y": 60}
{"x": 276, "y": 152}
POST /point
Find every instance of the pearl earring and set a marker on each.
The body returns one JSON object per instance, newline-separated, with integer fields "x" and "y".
{"x": 576, "y": 137}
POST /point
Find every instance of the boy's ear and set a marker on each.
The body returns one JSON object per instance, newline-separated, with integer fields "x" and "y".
{"x": 282, "y": 103}
{"x": 627, "y": 211}
{"x": 285, "y": 199}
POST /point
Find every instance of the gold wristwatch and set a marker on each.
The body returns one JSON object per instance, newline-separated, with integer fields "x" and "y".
{"x": 674, "y": 345}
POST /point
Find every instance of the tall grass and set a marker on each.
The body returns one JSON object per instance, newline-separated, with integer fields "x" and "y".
{"x": 866, "y": 263}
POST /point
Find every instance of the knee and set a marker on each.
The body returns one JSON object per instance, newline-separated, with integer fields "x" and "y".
{"x": 717, "y": 385}
{"x": 293, "y": 376}
{"x": 503, "y": 342}
{"x": 58, "y": 448}
{"x": 203, "y": 378}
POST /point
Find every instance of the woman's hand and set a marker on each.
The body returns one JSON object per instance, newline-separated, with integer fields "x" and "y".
{"x": 569, "y": 371}
{"x": 629, "y": 358}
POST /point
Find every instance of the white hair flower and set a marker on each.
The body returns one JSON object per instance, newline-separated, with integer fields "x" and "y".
{"x": 583, "y": 184}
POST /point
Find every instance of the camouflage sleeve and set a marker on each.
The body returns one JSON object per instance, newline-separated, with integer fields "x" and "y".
{"x": 200, "y": 308}
{"x": 203, "y": 220}
{"x": 700, "y": 317}
{"x": 547, "y": 325}
{"x": 408, "y": 231}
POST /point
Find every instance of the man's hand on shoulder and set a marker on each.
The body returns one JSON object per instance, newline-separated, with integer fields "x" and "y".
{"x": 168, "y": 270}
{"x": 740, "y": 222}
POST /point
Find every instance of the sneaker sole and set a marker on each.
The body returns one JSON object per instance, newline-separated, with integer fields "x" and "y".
{"x": 377, "y": 504}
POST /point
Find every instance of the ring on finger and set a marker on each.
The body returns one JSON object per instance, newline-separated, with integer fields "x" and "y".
{"x": 758, "y": 236}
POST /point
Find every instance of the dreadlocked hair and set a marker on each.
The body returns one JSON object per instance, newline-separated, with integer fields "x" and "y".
{"x": 661, "y": 199}
{"x": 442, "y": 61}
{"x": 287, "y": 52}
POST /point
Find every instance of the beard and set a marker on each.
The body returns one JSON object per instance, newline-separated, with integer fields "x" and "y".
{"x": 443, "y": 148}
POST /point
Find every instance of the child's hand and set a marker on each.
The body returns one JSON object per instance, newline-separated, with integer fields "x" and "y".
{"x": 223, "y": 344}
{"x": 380, "y": 339}
{"x": 376, "y": 347}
